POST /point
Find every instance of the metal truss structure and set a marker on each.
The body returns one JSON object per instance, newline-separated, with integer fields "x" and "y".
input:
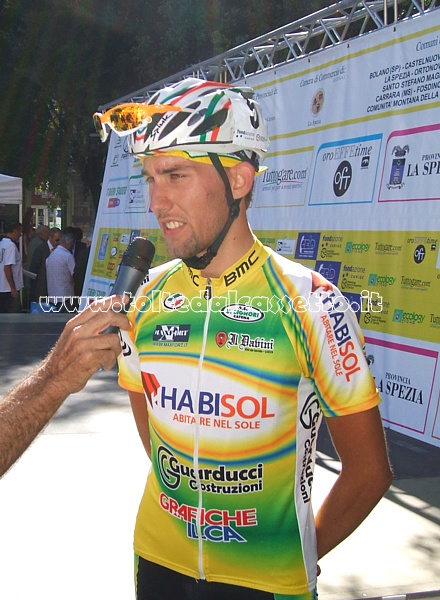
{"x": 323, "y": 29}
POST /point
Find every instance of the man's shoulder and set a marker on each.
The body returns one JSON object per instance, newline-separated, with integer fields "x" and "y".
{"x": 287, "y": 266}
{"x": 168, "y": 268}
{"x": 35, "y": 242}
{"x": 42, "y": 249}
{"x": 8, "y": 246}
{"x": 5, "y": 241}
{"x": 157, "y": 273}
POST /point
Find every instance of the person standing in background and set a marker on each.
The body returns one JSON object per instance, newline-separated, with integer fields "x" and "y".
{"x": 79, "y": 244}
{"x": 38, "y": 265}
{"x": 41, "y": 236}
{"x": 59, "y": 269}
{"x": 81, "y": 260}
{"x": 11, "y": 270}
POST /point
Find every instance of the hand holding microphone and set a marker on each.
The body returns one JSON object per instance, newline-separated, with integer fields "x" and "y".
{"x": 133, "y": 269}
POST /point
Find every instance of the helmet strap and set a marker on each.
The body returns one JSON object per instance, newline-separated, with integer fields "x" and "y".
{"x": 200, "y": 262}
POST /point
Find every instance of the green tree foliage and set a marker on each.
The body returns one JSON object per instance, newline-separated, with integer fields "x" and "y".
{"x": 61, "y": 59}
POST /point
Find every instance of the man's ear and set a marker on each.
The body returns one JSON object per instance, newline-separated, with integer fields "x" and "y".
{"x": 241, "y": 177}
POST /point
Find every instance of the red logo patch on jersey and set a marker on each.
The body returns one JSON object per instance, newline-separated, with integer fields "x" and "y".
{"x": 221, "y": 338}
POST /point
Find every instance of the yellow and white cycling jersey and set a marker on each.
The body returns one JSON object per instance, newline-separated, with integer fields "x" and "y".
{"x": 237, "y": 372}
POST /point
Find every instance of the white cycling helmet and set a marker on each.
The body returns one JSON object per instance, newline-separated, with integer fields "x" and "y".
{"x": 193, "y": 117}
{"x": 205, "y": 121}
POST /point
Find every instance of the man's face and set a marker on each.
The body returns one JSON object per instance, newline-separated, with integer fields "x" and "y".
{"x": 55, "y": 239}
{"x": 188, "y": 199}
{"x": 16, "y": 234}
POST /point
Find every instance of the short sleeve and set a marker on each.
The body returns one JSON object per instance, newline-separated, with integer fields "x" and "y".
{"x": 129, "y": 372}
{"x": 336, "y": 358}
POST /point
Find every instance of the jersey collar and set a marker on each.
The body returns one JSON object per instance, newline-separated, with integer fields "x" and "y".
{"x": 240, "y": 271}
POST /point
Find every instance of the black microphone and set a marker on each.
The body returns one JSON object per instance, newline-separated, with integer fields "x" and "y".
{"x": 133, "y": 269}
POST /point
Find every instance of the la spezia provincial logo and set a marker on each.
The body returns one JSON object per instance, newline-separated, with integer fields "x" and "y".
{"x": 397, "y": 167}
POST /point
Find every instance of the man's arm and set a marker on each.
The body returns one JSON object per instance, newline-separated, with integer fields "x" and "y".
{"x": 10, "y": 279}
{"x": 140, "y": 413}
{"x": 79, "y": 352}
{"x": 365, "y": 476}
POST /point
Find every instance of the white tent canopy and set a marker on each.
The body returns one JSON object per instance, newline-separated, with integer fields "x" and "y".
{"x": 11, "y": 189}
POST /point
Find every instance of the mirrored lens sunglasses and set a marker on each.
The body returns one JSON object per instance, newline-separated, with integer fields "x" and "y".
{"x": 126, "y": 118}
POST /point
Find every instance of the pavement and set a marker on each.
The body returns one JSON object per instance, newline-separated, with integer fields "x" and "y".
{"x": 67, "y": 507}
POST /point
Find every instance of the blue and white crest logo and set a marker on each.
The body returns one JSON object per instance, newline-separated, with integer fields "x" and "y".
{"x": 397, "y": 167}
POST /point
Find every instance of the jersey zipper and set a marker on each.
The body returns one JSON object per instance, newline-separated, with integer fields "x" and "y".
{"x": 208, "y": 296}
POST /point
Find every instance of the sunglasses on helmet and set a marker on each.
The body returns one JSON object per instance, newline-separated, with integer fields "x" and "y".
{"x": 126, "y": 118}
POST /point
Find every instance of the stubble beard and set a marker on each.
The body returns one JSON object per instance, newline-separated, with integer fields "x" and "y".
{"x": 188, "y": 249}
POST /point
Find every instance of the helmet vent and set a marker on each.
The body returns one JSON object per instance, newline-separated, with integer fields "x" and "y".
{"x": 173, "y": 123}
{"x": 210, "y": 123}
{"x": 196, "y": 117}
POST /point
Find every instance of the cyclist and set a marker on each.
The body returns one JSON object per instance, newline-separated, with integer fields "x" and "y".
{"x": 234, "y": 355}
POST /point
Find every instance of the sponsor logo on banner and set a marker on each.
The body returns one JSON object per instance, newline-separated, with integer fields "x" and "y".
{"x": 387, "y": 249}
{"x": 285, "y": 246}
{"x": 414, "y": 283}
{"x": 284, "y": 182}
{"x": 400, "y": 387}
{"x": 397, "y": 167}
{"x": 136, "y": 197}
{"x": 419, "y": 254}
{"x": 330, "y": 246}
{"x": 353, "y": 277}
{"x": 329, "y": 270}
{"x": 412, "y": 163}
{"x": 357, "y": 248}
{"x": 318, "y": 101}
{"x": 307, "y": 246}
{"x": 345, "y": 171}
{"x": 381, "y": 280}
{"x": 342, "y": 178}
{"x": 375, "y": 310}
{"x": 408, "y": 317}
{"x": 434, "y": 320}
{"x": 404, "y": 376}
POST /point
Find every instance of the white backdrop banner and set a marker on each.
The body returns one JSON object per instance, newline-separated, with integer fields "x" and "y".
{"x": 352, "y": 190}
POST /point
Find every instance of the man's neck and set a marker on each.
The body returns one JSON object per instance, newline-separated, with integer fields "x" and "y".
{"x": 237, "y": 242}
